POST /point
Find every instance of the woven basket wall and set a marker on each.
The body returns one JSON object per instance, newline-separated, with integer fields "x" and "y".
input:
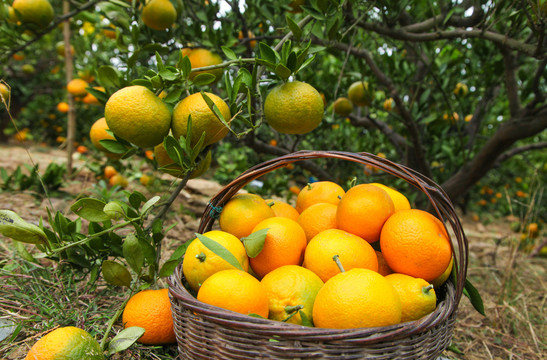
{"x": 208, "y": 332}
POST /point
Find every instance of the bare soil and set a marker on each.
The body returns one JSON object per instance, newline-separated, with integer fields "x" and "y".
{"x": 511, "y": 283}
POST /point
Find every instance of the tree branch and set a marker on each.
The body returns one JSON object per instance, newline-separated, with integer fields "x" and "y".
{"x": 511, "y": 85}
{"x": 398, "y": 141}
{"x": 519, "y": 150}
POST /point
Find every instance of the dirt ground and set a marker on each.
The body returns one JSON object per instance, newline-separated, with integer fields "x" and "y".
{"x": 512, "y": 284}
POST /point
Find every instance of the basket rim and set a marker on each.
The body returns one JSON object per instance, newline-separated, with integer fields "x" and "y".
{"x": 439, "y": 200}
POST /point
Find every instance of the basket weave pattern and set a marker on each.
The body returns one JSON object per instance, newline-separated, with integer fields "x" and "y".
{"x": 208, "y": 332}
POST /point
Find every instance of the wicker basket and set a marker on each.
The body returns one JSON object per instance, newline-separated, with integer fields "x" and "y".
{"x": 208, "y": 332}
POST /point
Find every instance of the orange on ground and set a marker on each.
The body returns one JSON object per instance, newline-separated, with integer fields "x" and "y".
{"x": 200, "y": 262}
{"x": 118, "y": 179}
{"x": 317, "y": 218}
{"x": 109, "y": 171}
{"x": 235, "y": 290}
{"x": 282, "y": 209}
{"x": 417, "y": 296}
{"x": 416, "y": 243}
{"x": 356, "y": 298}
{"x": 98, "y": 133}
{"x": 82, "y": 149}
{"x": 242, "y": 213}
{"x": 399, "y": 200}
{"x": 151, "y": 310}
{"x": 383, "y": 267}
{"x": 67, "y": 343}
{"x": 284, "y": 245}
{"x": 363, "y": 210}
{"x": 318, "y": 192}
{"x": 352, "y": 251}
{"x": 288, "y": 287}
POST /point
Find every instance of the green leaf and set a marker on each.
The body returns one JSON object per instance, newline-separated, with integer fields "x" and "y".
{"x": 282, "y": 71}
{"x": 90, "y": 209}
{"x": 306, "y": 321}
{"x": 101, "y": 96}
{"x": 136, "y": 198}
{"x": 132, "y": 252}
{"x": 291, "y": 62}
{"x": 168, "y": 75}
{"x": 124, "y": 339}
{"x": 107, "y": 76}
{"x": 173, "y": 96}
{"x": 168, "y": 268}
{"x": 230, "y": 54}
{"x": 203, "y": 79}
{"x": 474, "y": 297}
{"x": 254, "y": 243}
{"x": 268, "y": 54}
{"x": 219, "y": 250}
{"x": 14, "y": 227}
{"x": 174, "y": 149}
{"x": 148, "y": 205}
{"x": 115, "y": 274}
{"x": 159, "y": 62}
{"x": 113, "y": 146}
{"x": 185, "y": 66}
{"x": 293, "y": 26}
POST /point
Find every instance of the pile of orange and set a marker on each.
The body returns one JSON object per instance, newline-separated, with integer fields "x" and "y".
{"x": 336, "y": 259}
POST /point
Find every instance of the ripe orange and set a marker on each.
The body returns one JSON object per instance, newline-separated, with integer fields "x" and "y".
{"x": 98, "y": 133}
{"x": 352, "y": 251}
{"x": 109, "y": 171}
{"x": 294, "y": 189}
{"x": 416, "y": 243}
{"x": 318, "y": 192}
{"x": 356, "y": 298}
{"x": 201, "y": 58}
{"x": 151, "y": 310}
{"x": 118, "y": 179}
{"x": 82, "y": 149}
{"x": 242, "y": 213}
{"x": 293, "y": 108}
{"x": 235, "y": 290}
{"x": 383, "y": 267}
{"x": 363, "y": 210}
{"x": 68, "y": 343}
{"x": 203, "y": 119}
{"x": 77, "y": 87}
{"x": 282, "y": 209}
{"x": 399, "y": 200}
{"x": 317, "y": 218}
{"x": 388, "y": 104}
{"x": 4, "y": 92}
{"x": 90, "y": 99}
{"x": 284, "y": 245}
{"x": 288, "y": 288}
{"x": 200, "y": 262}
{"x": 417, "y": 296}
{"x": 62, "y": 107}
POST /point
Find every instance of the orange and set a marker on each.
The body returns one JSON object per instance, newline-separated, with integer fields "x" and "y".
{"x": 77, "y": 87}
{"x": 293, "y": 108}
{"x": 317, "y": 218}
{"x": 383, "y": 268}
{"x": 399, "y": 200}
{"x": 242, "y": 213}
{"x": 318, "y": 192}
{"x": 285, "y": 244}
{"x": 360, "y": 93}
{"x": 39, "y": 13}
{"x": 136, "y": 114}
{"x": 282, "y": 209}
{"x": 109, "y": 171}
{"x": 440, "y": 280}
{"x": 4, "y": 92}
{"x": 203, "y": 119}
{"x": 90, "y": 99}
{"x": 294, "y": 189}
{"x": 342, "y": 106}
{"x": 66, "y": 343}
{"x": 352, "y": 251}
{"x": 201, "y": 58}
{"x": 200, "y": 262}
{"x": 62, "y": 107}
{"x": 356, "y": 298}
{"x": 118, "y": 179}
{"x": 388, "y": 104}
{"x": 291, "y": 292}
{"x": 363, "y": 210}
{"x": 417, "y": 296}
{"x": 82, "y": 149}
{"x": 235, "y": 290}
{"x": 416, "y": 243}
{"x": 159, "y": 14}
{"x": 98, "y": 133}
{"x": 151, "y": 310}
